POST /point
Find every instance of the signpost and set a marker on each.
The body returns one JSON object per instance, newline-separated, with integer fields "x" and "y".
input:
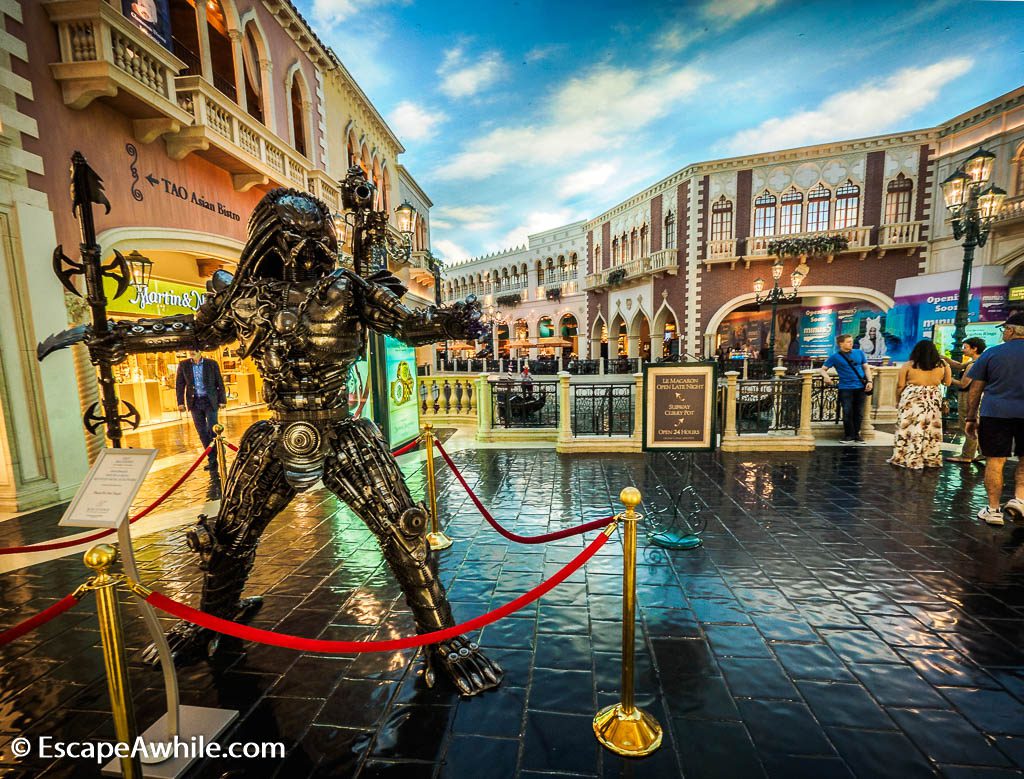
{"x": 679, "y": 406}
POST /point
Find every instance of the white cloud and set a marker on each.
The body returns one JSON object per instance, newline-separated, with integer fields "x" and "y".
{"x": 450, "y": 251}
{"x": 587, "y": 179}
{"x": 676, "y": 38}
{"x": 870, "y": 109}
{"x": 729, "y": 12}
{"x": 461, "y": 77}
{"x": 540, "y": 53}
{"x": 595, "y": 112}
{"x": 474, "y": 218}
{"x": 413, "y": 122}
{"x": 535, "y": 222}
{"x": 332, "y": 12}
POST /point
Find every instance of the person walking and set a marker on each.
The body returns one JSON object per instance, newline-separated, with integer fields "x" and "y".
{"x": 919, "y": 388}
{"x": 200, "y": 389}
{"x": 854, "y": 385}
{"x": 972, "y": 349}
{"x": 997, "y": 392}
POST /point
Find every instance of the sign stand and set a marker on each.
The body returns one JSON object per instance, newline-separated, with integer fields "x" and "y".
{"x": 103, "y": 501}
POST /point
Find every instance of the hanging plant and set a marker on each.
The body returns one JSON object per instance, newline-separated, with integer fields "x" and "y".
{"x": 616, "y": 276}
{"x": 508, "y": 301}
{"x": 812, "y": 246}
{"x": 553, "y": 293}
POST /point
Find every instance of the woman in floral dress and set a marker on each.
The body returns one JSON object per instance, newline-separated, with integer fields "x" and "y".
{"x": 920, "y": 389}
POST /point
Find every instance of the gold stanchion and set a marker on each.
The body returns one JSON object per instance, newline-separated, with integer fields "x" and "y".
{"x": 436, "y": 537}
{"x": 99, "y": 559}
{"x": 222, "y": 459}
{"x": 623, "y": 728}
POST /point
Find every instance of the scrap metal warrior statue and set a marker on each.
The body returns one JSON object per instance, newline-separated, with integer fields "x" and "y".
{"x": 305, "y": 321}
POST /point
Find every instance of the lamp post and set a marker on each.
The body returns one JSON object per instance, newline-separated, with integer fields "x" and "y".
{"x": 778, "y": 295}
{"x": 973, "y": 207}
{"x": 492, "y": 317}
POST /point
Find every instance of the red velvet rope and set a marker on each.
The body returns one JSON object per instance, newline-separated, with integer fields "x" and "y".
{"x": 541, "y": 539}
{"x": 104, "y": 533}
{"x": 323, "y": 646}
{"x": 44, "y": 616}
{"x": 407, "y": 448}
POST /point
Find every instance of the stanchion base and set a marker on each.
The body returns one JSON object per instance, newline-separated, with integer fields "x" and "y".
{"x": 438, "y": 540}
{"x": 669, "y": 540}
{"x": 632, "y": 735}
{"x": 196, "y": 722}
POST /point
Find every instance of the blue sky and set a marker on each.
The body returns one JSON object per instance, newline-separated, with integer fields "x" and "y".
{"x": 521, "y": 116}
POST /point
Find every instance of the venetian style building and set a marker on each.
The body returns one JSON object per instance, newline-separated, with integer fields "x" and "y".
{"x": 534, "y": 294}
{"x": 189, "y": 120}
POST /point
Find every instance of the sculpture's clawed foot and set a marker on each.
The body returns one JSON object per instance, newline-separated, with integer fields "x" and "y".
{"x": 190, "y": 643}
{"x": 468, "y": 668}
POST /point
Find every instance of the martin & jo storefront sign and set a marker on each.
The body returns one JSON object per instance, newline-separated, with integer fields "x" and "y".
{"x": 158, "y": 298}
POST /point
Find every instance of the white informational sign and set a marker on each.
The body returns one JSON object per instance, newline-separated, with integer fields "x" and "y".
{"x": 109, "y": 488}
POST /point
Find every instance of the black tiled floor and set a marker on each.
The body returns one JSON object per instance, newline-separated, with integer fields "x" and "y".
{"x": 828, "y": 628}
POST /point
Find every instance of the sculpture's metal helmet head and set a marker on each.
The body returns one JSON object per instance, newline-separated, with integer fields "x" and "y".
{"x": 291, "y": 238}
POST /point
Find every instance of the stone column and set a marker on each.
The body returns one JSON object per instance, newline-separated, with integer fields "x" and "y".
{"x": 564, "y": 409}
{"x": 806, "y": 390}
{"x": 638, "y": 407}
{"x": 205, "y": 58}
{"x": 484, "y": 407}
{"x": 885, "y": 393}
{"x": 731, "y": 378}
{"x": 239, "y": 62}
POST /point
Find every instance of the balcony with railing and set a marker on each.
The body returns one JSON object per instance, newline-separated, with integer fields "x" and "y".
{"x": 103, "y": 55}
{"x": 900, "y": 235}
{"x": 858, "y": 238}
{"x": 1012, "y": 211}
{"x": 665, "y": 261}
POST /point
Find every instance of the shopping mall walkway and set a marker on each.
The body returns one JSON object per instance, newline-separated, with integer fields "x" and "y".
{"x": 842, "y": 619}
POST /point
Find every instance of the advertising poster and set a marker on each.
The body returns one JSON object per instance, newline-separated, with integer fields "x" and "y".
{"x": 915, "y": 316}
{"x": 989, "y": 332}
{"x": 818, "y": 332}
{"x": 400, "y": 376}
{"x": 153, "y": 17}
{"x": 679, "y": 406}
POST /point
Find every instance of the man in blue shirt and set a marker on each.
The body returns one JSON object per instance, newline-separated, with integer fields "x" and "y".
{"x": 200, "y": 389}
{"x": 854, "y": 384}
{"x": 997, "y": 390}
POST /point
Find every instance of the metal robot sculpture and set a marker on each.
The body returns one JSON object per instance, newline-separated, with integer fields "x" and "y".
{"x": 304, "y": 321}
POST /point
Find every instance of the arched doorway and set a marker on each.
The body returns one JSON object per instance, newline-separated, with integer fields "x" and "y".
{"x": 599, "y": 338}
{"x": 640, "y": 337}
{"x": 620, "y": 335}
{"x": 568, "y": 329}
{"x": 502, "y": 336}
{"x": 665, "y": 344}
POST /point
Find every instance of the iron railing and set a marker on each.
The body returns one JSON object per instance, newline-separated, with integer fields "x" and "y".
{"x": 624, "y": 365}
{"x": 825, "y": 401}
{"x": 602, "y": 409}
{"x": 764, "y": 405}
{"x": 525, "y": 404}
{"x": 584, "y": 367}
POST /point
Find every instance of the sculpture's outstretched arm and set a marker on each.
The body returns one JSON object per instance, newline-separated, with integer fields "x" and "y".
{"x": 384, "y": 312}
{"x": 210, "y": 327}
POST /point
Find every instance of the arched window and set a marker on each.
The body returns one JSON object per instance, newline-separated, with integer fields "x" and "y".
{"x": 634, "y": 251}
{"x": 252, "y": 53}
{"x": 1018, "y": 177}
{"x": 791, "y": 213}
{"x": 187, "y": 46}
{"x": 644, "y": 242}
{"x": 615, "y": 250}
{"x": 847, "y": 205}
{"x": 897, "y": 200}
{"x": 353, "y": 149}
{"x": 764, "y": 214}
{"x": 296, "y": 98}
{"x": 817, "y": 209}
{"x": 385, "y": 192}
{"x": 721, "y": 219}
{"x": 670, "y": 231}
{"x": 545, "y": 329}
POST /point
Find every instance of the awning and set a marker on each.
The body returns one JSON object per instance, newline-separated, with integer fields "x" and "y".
{"x": 553, "y": 341}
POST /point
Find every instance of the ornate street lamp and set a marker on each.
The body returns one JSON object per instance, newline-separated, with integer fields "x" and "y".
{"x": 973, "y": 207}
{"x": 778, "y": 295}
{"x": 141, "y": 268}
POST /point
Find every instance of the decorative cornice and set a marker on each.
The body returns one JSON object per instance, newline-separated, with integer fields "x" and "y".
{"x": 1001, "y": 104}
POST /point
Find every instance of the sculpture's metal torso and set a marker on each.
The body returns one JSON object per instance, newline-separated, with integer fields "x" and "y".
{"x": 304, "y": 337}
